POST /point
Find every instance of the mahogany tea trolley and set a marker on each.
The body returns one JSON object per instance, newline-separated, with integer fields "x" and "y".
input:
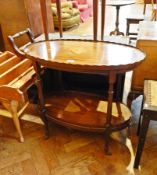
{"x": 79, "y": 110}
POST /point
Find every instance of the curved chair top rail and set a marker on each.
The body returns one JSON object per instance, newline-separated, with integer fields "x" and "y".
{"x": 12, "y": 38}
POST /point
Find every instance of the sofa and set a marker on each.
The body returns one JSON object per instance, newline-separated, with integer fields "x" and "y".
{"x": 85, "y": 7}
{"x": 70, "y": 15}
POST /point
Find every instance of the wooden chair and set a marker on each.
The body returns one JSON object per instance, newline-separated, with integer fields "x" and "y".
{"x": 13, "y": 40}
{"x": 134, "y": 20}
{"x": 16, "y": 77}
{"x": 149, "y": 112}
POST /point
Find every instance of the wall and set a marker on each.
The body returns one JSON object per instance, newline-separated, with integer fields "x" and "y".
{"x": 17, "y": 15}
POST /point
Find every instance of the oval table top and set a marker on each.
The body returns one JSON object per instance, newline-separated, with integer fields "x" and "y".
{"x": 84, "y": 56}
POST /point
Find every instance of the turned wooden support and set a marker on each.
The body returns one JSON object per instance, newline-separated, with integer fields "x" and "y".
{"x": 95, "y": 18}
{"x": 42, "y": 108}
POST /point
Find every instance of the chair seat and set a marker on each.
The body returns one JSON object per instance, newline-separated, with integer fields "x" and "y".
{"x": 136, "y": 17}
{"x": 150, "y": 89}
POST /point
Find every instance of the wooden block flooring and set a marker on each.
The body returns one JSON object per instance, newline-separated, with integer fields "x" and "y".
{"x": 69, "y": 152}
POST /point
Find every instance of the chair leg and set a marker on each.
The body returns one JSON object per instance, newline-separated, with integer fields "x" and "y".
{"x": 13, "y": 107}
{"x": 139, "y": 125}
{"x": 142, "y": 137}
{"x": 140, "y": 119}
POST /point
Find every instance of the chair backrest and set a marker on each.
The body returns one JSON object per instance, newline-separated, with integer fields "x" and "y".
{"x": 13, "y": 40}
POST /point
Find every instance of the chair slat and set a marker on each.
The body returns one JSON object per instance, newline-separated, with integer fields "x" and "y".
{"x": 9, "y": 63}
{"x": 15, "y": 71}
{"x": 22, "y": 81}
{"x": 4, "y": 56}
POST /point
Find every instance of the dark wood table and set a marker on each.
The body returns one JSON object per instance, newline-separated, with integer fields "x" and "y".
{"x": 79, "y": 110}
{"x": 118, "y": 4}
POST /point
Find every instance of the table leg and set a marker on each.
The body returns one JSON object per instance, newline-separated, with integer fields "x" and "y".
{"x": 123, "y": 137}
{"x": 42, "y": 108}
{"x": 116, "y": 31}
{"x": 109, "y": 127}
{"x": 112, "y": 80}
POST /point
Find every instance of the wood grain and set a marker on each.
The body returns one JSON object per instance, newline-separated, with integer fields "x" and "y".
{"x": 84, "y": 158}
{"x": 84, "y": 56}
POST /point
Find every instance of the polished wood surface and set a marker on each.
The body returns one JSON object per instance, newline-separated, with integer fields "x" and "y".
{"x": 85, "y": 56}
{"x": 146, "y": 41}
{"x": 84, "y": 111}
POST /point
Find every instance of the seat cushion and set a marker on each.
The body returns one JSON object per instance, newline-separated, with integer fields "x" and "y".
{"x": 66, "y": 16}
{"x": 67, "y": 23}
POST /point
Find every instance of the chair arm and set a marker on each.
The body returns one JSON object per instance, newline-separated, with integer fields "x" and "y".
{"x": 12, "y": 39}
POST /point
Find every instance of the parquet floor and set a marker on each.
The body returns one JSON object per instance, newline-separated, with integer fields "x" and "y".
{"x": 69, "y": 152}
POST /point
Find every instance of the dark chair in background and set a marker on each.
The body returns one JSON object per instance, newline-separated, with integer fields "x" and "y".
{"x": 149, "y": 112}
{"x": 134, "y": 19}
